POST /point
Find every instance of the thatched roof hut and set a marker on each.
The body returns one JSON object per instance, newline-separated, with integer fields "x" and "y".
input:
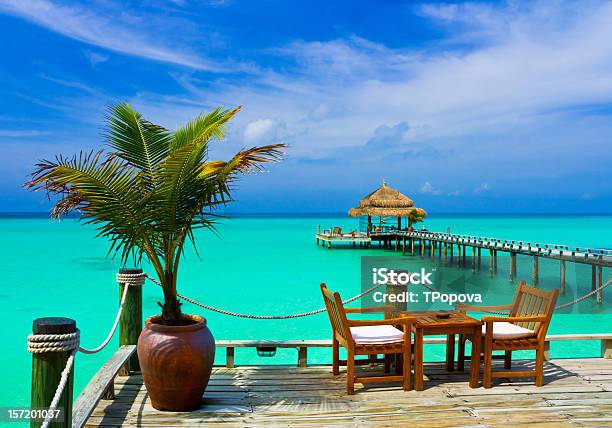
{"x": 386, "y": 202}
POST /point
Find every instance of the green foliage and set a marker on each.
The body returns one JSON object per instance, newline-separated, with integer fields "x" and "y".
{"x": 416, "y": 216}
{"x": 152, "y": 189}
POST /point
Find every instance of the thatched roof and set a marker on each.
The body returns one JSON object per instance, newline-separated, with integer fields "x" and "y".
{"x": 385, "y": 201}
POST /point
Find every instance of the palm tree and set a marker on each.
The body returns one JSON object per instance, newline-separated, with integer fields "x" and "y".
{"x": 417, "y": 215}
{"x": 154, "y": 187}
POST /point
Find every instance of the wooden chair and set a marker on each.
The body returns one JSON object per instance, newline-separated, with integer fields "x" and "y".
{"x": 523, "y": 329}
{"x": 368, "y": 337}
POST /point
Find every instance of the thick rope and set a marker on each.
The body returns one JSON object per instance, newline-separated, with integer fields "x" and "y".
{"x": 586, "y": 296}
{"x": 352, "y": 299}
{"x": 69, "y": 342}
{"x": 266, "y": 317}
{"x": 128, "y": 281}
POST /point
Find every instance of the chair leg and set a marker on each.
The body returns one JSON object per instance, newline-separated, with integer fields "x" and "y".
{"x": 399, "y": 364}
{"x": 461, "y": 353}
{"x": 407, "y": 359}
{"x": 508, "y": 360}
{"x": 488, "y": 364}
{"x": 335, "y": 357}
{"x": 350, "y": 373}
{"x": 539, "y": 366}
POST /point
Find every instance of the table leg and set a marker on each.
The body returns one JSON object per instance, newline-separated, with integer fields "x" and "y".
{"x": 475, "y": 361}
{"x": 450, "y": 352}
{"x": 418, "y": 359}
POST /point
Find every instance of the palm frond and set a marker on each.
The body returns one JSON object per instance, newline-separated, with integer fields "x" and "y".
{"x": 136, "y": 140}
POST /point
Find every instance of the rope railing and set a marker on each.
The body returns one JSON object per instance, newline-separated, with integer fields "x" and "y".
{"x": 265, "y": 317}
{"x": 69, "y": 342}
{"x": 352, "y": 299}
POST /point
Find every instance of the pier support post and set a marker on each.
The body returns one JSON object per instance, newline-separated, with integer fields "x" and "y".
{"x": 473, "y": 259}
{"x": 432, "y": 249}
{"x": 130, "y": 322}
{"x": 536, "y": 273}
{"x": 562, "y": 276}
{"x": 593, "y": 277}
{"x": 491, "y": 262}
{"x": 458, "y": 256}
{"x": 599, "y": 284}
{"x": 464, "y": 251}
{"x": 495, "y": 262}
{"x": 445, "y": 249}
{"x": 422, "y": 248}
{"x": 606, "y": 348}
{"x": 512, "y": 266}
{"x": 478, "y": 258}
{"x": 47, "y": 370}
{"x": 412, "y": 246}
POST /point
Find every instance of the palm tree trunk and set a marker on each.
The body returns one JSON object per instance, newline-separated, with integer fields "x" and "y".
{"x": 171, "y": 309}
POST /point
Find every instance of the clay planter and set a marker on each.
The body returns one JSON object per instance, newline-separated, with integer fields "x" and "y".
{"x": 176, "y": 362}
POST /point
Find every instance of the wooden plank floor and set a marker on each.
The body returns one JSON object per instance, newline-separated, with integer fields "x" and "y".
{"x": 577, "y": 393}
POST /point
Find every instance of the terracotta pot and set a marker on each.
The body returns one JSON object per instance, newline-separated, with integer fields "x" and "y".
{"x": 176, "y": 362}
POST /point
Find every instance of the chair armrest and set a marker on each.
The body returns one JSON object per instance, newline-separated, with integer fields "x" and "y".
{"x": 371, "y": 310}
{"x": 464, "y": 308}
{"x": 532, "y": 318}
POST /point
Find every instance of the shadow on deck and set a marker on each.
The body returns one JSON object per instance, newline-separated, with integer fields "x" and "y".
{"x": 577, "y": 393}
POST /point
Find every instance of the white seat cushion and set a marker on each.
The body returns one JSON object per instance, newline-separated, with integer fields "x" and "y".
{"x": 506, "y": 330}
{"x": 371, "y": 335}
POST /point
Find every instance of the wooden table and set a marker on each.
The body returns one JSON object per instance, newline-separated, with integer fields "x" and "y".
{"x": 428, "y": 323}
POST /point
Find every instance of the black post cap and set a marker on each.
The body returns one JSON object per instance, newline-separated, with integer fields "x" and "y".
{"x": 130, "y": 270}
{"x": 53, "y": 325}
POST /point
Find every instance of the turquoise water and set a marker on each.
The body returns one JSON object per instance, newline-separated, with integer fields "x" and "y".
{"x": 260, "y": 265}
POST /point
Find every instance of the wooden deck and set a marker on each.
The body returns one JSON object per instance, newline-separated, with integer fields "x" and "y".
{"x": 578, "y": 392}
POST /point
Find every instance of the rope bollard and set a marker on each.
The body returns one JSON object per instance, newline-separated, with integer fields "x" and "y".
{"x": 53, "y": 345}
{"x": 130, "y": 321}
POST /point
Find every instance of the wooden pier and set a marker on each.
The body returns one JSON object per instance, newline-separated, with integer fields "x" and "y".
{"x": 443, "y": 245}
{"x": 577, "y": 393}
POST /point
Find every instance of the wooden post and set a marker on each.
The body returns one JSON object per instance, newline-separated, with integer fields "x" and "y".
{"x": 130, "y": 322}
{"x": 491, "y": 262}
{"x": 593, "y": 277}
{"x": 562, "y": 276}
{"x": 606, "y": 348}
{"x": 422, "y": 248}
{"x": 536, "y": 273}
{"x": 599, "y": 284}
{"x": 432, "y": 248}
{"x": 495, "y": 261}
{"x": 458, "y": 255}
{"x": 478, "y": 258}
{"x": 445, "y": 249}
{"x": 473, "y": 259}
{"x": 464, "y": 251}
{"x": 412, "y": 245}
{"x": 302, "y": 356}
{"x": 47, "y": 370}
{"x": 229, "y": 357}
{"x": 404, "y": 246}
{"x": 512, "y": 266}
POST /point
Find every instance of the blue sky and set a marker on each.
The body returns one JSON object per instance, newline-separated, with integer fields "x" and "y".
{"x": 466, "y": 107}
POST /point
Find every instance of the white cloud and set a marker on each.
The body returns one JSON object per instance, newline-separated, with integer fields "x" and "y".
{"x": 260, "y": 130}
{"x": 427, "y": 187}
{"x": 119, "y": 32}
{"x": 96, "y": 58}
{"x": 483, "y": 187}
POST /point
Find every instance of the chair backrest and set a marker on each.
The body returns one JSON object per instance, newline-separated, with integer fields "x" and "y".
{"x": 337, "y": 231}
{"x": 534, "y": 301}
{"x": 337, "y": 316}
